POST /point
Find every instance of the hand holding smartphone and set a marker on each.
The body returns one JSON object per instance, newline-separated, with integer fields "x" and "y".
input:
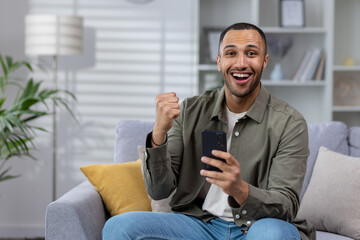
{"x": 213, "y": 140}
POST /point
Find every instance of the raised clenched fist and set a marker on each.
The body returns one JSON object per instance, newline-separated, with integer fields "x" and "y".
{"x": 167, "y": 109}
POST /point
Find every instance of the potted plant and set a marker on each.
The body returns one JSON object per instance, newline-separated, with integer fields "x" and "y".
{"x": 16, "y": 131}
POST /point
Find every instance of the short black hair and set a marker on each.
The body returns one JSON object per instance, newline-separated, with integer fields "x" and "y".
{"x": 243, "y": 26}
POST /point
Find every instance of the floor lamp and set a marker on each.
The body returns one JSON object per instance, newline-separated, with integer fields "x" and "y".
{"x": 53, "y": 35}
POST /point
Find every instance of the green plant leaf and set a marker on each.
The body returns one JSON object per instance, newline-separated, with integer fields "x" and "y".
{"x": 4, "y": 177}
{"x": 18, "y": 85}
{"x": 27, "y": 103}
{"x": 15, "y": 66}
{"x": 7, "y": 124}
{"x": 8, "y": 177}
{"x": 28, "y": 65}
{"x": 40, "y": 129}
{"x": 2, "y": 100}
{"x": 63, "y": 103}
{"x": 46, "y": 93}
{"x": 35, "y": 116}
{"x": 16, "y": 133}
{"x": 71, "y": 94}
{"x": 28, "y": 89}
{"x": 9, "y": 62}
{"x": 22, "y": 142}
{"x": 17, "y": 146}
{"x": 4, "y": 68}
{"x": 2, "y": 84}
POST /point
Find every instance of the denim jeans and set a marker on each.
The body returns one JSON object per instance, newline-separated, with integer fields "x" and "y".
{"x": 171, "y": 226}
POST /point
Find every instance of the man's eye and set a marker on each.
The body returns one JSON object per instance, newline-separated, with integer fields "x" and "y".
{"x": 229, "y": 53}
{"x": 251, "y": 53}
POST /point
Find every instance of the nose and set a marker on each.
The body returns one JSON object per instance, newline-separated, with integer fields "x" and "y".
{"x": 241, "y": 61}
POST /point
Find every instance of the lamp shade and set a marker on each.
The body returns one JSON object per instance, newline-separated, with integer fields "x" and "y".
{"x": 53, "y": 35}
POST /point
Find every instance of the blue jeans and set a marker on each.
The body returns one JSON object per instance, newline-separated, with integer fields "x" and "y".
{"x": 171, "y": 226}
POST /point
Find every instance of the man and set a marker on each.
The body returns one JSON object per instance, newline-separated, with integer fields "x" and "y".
{"x": 256, "y": 196}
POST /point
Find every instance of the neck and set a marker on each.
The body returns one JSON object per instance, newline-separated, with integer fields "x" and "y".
{"x": 241, "y": 104}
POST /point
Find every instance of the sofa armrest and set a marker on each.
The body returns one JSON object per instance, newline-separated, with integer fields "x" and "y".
{"x": 78, "y": 214}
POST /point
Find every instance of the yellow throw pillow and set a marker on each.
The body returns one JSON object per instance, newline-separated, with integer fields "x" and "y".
{"x": 121, "y": 186}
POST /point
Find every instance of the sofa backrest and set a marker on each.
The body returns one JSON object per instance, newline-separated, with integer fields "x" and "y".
{"x": 130, "y": 134}
{"x": 332, "y": 135}
{"x": 354, "y": 141}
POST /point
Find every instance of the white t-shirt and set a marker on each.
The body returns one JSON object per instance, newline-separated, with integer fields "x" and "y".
{"x": 216, "y": 200}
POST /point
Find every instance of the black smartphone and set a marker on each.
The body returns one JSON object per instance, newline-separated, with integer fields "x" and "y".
{"x": 213, "y": 140}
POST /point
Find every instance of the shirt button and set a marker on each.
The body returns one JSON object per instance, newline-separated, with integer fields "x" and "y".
{"x": 237, "y": 216}
{"x": 248, "y": 222}
{"x": 236, "y": 134}
{"x": 244, "y": 212}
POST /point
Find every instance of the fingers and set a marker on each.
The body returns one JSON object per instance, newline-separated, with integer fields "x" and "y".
{"x": 226, "y": 156}
{"x": 167, "y": 97}
{"x": 167, "y": 105}
{"x": 211, "y": 174}
{"x": 167, "y": 109}
{"x": 214, "y": 162}
{"x": 229, "y": 180}
{"x": 214, "y": 177}
{"x": 170, "y": 110}
{"x": 229, "y": 168}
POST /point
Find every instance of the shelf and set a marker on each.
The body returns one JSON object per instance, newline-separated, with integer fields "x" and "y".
{"x": 340, "y": 68}
{"x": 294, "y": 30}
{"x": 346, "y": 108}
{"x": 292, "y": 83}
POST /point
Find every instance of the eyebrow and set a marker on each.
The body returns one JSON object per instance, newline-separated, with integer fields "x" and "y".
{"x": 248, "y": 46}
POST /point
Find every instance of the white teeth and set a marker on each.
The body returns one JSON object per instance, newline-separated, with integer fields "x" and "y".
{"x": 241, "y": 75}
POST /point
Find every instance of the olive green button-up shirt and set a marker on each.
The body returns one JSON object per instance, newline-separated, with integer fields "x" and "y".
{"x": 270, "y": 142}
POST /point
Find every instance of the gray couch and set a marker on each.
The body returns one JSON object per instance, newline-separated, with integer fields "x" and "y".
{"x": 80, "y": 213}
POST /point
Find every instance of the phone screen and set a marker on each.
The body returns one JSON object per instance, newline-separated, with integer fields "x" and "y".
{"x": 213, "y": 140}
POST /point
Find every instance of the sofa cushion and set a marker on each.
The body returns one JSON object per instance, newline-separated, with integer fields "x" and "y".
{"x": 330, "y": 236}
{"x": 354, "y": 141}
{"x": 332, "y": 135}
{"x": 130, "y": 134}
{"x": 121, "y": 186}
{"x": 331, "y": 201}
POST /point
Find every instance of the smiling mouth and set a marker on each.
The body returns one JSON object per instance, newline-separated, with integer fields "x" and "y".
{"x": 241, "y": 76}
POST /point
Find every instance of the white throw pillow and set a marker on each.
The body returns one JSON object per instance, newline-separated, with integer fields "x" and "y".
{"x": 331, "y": 201}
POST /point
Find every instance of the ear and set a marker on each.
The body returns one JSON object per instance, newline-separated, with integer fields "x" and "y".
{"x": 266, "y": 59}
{"x": 218, "y": 62}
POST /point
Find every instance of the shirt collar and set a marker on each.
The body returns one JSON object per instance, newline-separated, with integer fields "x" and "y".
{"x": 219, "y": 109}
{"x": 256, "y": 111}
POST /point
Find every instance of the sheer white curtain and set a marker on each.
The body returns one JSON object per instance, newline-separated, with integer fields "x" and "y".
{"x": 132, "y": 52}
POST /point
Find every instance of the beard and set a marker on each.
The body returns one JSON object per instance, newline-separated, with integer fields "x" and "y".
{"x": 248, "y": 91}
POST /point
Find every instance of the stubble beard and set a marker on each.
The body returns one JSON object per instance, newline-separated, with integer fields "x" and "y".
{"x": 252, "y": 87}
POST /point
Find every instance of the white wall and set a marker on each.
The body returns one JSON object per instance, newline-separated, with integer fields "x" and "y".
{"x": 22, "y": 200}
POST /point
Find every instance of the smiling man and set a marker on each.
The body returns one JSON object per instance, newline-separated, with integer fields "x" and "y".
{"x": 256, "y": 193}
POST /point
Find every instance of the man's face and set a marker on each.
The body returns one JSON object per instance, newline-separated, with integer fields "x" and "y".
{"x": 241, "y": 61}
